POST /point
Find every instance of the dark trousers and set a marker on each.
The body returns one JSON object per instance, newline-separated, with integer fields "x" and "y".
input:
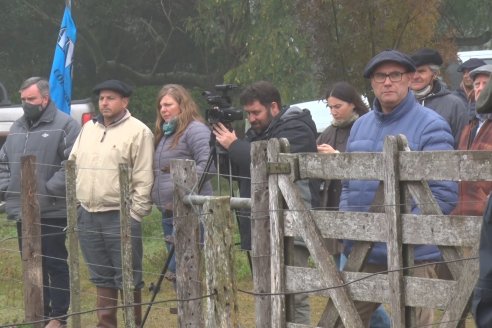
{"x": 100, "y": 242}
{"x": 482, "y": 296}
{"x": 56, "y": 280}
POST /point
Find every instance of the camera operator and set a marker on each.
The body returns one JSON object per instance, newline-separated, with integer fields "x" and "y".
{"x": 261, "y": 101}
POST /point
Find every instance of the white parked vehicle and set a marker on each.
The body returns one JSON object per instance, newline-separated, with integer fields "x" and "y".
{"x": 485, "y": 55}
{"x": 319, "y": 112}
{"x": 453, "y": 77}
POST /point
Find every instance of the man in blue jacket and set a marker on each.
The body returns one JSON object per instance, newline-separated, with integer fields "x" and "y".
{"x": 48, "y": 134}
{"x": 396, "y": 111}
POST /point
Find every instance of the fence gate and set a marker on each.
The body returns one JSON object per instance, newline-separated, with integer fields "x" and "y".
{"x": 403, "y": 177}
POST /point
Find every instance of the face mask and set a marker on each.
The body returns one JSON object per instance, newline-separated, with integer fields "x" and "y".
{"x": 169, "y": 127}
{"x": 31, "y": 111}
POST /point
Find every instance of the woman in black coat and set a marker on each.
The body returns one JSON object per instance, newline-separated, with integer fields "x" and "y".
{"x": 346, "y": 106}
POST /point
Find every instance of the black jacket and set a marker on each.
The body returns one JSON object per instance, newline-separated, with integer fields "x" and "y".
{"x": 482, "y": 296}
{"x": 294, "y": 124}
{"x": 449, "y": 106}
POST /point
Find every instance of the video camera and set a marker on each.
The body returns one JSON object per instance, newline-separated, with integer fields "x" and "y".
{"x": 221, "y": 110}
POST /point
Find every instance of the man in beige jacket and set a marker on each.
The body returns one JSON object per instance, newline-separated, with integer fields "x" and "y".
{"x": 112, "y": 138}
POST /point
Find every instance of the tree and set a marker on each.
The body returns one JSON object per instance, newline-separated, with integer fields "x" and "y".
{"x": 257, "y": 40}
{"x": 301, "y": 46}
{"x": 468, "y": 22}
{"x": 345, "y": 34}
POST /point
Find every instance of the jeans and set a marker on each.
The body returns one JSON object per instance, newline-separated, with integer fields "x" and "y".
{"x": 100, "y": 243}
{"x": 379, "y": 318}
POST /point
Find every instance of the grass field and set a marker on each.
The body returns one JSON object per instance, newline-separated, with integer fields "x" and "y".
{"x": 11, "y": 285}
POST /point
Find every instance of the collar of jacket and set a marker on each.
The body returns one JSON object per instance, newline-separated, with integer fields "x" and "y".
{"x": 100, "y": 119}
{"x": 285, "y": 115}
{"x": 439, "y": 89}
{"x": 403, "y": 107}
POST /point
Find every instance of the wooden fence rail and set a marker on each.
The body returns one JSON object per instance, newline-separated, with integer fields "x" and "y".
{"x": 402, "y": 174}
{"x": 279, "y": 215}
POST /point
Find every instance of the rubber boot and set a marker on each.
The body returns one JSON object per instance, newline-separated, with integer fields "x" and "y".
{"x": 137, "y": 299}
{"x": 107, "y": 297}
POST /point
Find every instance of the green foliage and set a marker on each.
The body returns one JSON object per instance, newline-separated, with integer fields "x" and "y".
{"x": 11, "y": 292}
{"x": 277, "y": 52}
{"x": 468, "y": 18}
{"x": 345, "y": 34}
{"x": 220, "y": 28}
{"x": 300, "y": 46}
{"x": 155, "y": 253}
{"x": 143, "y": 104}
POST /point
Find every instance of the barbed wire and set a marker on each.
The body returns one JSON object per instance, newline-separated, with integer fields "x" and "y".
{"x": 370, "y": 275}
{"x": 265, "y": 216}
{"x": 63, "y": 317}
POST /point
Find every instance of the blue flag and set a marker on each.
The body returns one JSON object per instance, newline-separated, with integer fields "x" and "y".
{"x": 61, "y": 71}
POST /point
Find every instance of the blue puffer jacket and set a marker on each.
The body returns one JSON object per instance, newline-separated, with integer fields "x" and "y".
{"x": 426, "y": 131}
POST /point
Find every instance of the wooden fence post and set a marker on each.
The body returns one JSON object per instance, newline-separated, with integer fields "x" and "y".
{"x": 277, "y": 279}
{"x": 186, "y": 245}
{"x": 31, "y": 243}
{"x": 222, "y": 309}
{"x": 260, "y": 232}
{"x": 73, "y": 245}
{"x": 310, "y": 233}
{"x": 126, "y": 246}
{"x": 392, "y": 201}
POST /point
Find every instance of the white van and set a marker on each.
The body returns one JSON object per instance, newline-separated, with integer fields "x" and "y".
{"x": 319, "y": 112}
{"x": 485, "y": 55}
{"x": 453, "y": 77}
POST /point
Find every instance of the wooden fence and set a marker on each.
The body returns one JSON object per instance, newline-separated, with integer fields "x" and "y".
{"x": 279, "y": 215}
{"x": 403, "y": 175}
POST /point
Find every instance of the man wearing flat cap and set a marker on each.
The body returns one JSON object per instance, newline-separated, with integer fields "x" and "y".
{"x": 465, "y": 91}
{"x": 112, "y": 138}
{"x": 396, "y": 111}
{"x": 477, "y": 135}
{"x": 431, "y": 92}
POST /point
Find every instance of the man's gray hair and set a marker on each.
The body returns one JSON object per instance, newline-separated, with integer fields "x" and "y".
{"x": 42, "y": 84}
{"x": 435, "y": 68}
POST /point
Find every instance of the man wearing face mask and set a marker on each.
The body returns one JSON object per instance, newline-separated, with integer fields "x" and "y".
{"x": 48, "y": 134}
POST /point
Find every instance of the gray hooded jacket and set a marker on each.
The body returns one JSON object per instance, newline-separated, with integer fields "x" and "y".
{"x": 50, "y": 139}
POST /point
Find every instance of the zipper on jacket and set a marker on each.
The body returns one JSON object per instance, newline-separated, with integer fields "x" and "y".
{"x": 104, "y": 136}
{"x": 25, "y": 141}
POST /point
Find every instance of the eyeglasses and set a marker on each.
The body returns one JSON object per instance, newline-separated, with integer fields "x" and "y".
{"x": 393, "y": 76}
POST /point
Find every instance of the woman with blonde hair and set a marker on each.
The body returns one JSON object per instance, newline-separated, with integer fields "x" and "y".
{"x": 180, "y": 133}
